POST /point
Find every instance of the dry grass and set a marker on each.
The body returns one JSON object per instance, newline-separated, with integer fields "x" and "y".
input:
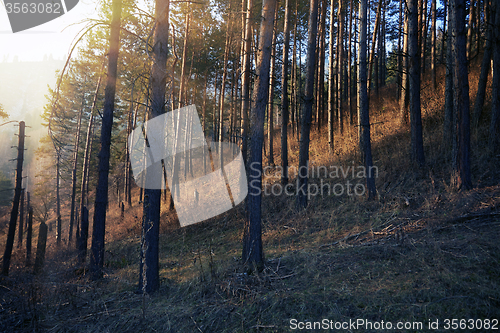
{"x": 421, "y": 252}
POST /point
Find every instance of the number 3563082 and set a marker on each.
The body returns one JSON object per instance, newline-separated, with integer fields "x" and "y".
{"x": 32, "y": 8}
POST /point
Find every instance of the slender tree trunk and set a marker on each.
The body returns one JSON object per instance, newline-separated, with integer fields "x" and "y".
{"x": 363, "y": 106}
{"x": 340, "y": 64}
{"x": 224, "y": 77}
{"x": 73, "y": 178}
{"x": 305, "y": 127}
{"x": 349, "y": 64}
{"x": 331, "y": 80}
{"x": 405, "y": 82}
{"x": 445, "y": 33}
{"x": 149, "y": 276}
{"x": 423, "y": 44}
{"x": 400, "y": 49}
{"x": 15, "y": 205}
{"x": 252, "y": 238}
{"x": 82, "y": 235}
{"x": 245, "y": 81}
{"x": 321, "y": 66}
{"x": 284, "y": 97}
{"x": 101, "y": 200}
{"x": 270, "y": 102}
{"x": 29, "y": 235}
{"x": 463, "y": 179}
{"x": 495, "y": 86}
{"x": 374, "y": 40}
{"x": 448, "y": 128}
{"x": 58, "y": 198}
{"x": 414, "y": 78}
{"x": 182, "y": 88}
{"x": 433, "y": 44}
{"x": 294, "y": 74}
{"x": 470, "y": 28}
{"x": 21, "y": 220}
{"x": 485, "y": 68}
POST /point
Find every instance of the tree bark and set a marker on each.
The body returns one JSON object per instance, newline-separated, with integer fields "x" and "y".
{"x": 149, "y": 276}
{"x": 270, "y": 103}
{"x": 331, "y": 80}
{"x": 305, "y": 127}
{"x": 363, "y": 106}
{"x": 417, "y": 148}
{"x": 245, "y": 81}
{"x": 485, "y": 67}
{"x": 29, "y": 233}
{"x": 40, "y": 248}
{"x": 461, "y": 96}
{"x": 82, "y": 234}
{"x": 374, "y": 40}
{"x": 433, "y": 44}
{"x": 405, "y": 82}
{"x": 252, "y": 253}
{"x": 284, "y": 97}
{"x": 495, "y": 85}
{"x": 101, "y": 199}
{"x": 21, "y": 221}
{"x": 224, "y": 77}
{"x": 15, "y": 205}
{"x": 73, "y": 175}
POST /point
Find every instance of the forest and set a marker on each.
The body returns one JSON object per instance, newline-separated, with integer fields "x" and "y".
{"x": 357, "y": 189}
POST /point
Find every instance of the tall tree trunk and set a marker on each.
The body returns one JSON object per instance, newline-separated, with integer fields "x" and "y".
{"x": 101, "y": 199}
{"x": 340, "y": 65}
{"x": 423, "y": 45}
{"x": 445, "y": 33}
{"x": 462, "y": 170}
{"x": 252, "y": 254}
{"x": 485, "y": 67}
{"x": 294, "y": 74}
{"x": 363, "y": 106}
{"x": 470, "y": 28}
{"x": 305, "y": 127}
{"x": 495, "y": 86}
{"x": 21, "y": 221}
{"x": 433, "y": 44}
{"x": 399, "y": 75}
{"x": 320, "y": 87}
{"x": 270, "y": 102}
{"x": 83, "y": 233}
{"x": 245, "y": 80}
{"x": 417, "y": 147}
{"x": 73, "y": 175}
{"x": 15, "y": 205}
{"x": 448, "y": 128}
{"x": 58, "y": 199}
{"x": 331, "y": 80}
{"x": 224, "y": 76}
{"x": 405, "y": 82}
{"x": 284, "y": 97}
{"x": 29, "y": 234}
{"x": 182, "y": 88}
{"x": 149, "y": 276}
{"x": 374, "y": 41}
{"x": 349, "y": 64}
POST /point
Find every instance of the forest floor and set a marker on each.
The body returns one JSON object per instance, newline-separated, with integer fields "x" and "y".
{"x": 419, "y": 253}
